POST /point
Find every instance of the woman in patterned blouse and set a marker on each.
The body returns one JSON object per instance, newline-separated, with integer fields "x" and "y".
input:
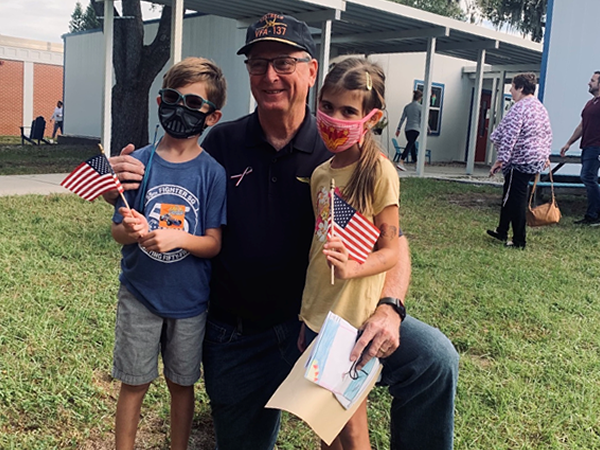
{"x": 522, "y": 139}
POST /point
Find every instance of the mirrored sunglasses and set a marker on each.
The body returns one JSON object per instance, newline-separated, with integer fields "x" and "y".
{"x": 190, "y": 101}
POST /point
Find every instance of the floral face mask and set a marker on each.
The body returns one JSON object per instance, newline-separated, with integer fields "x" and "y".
{"x": 340, "y": 135}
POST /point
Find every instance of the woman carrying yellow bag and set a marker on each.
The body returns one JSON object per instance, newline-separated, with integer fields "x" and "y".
{"x": 523, "y": 139}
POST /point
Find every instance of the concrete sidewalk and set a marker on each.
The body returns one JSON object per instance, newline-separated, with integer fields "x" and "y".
{"x": 32, "y": 184}
{"x": 50, "y": 183}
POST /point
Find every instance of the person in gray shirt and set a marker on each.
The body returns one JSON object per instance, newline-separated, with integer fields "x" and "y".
{"x": 412, "y": 115}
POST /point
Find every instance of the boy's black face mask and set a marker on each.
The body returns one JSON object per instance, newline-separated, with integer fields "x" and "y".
{"x": 181, "y": 122}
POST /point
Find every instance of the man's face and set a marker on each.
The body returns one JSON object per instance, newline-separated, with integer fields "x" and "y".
{"x": 285, "y": 93}
{"x": 594, "y": 84}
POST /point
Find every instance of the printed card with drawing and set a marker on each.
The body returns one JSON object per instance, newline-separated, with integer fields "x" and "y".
{"x": 329, "y": 364}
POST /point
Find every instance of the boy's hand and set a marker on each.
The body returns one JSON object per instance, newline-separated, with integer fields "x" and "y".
{"x": 337, "y": 256}
{"x": 135, "y": 224}
{"x": 162, "y": 240}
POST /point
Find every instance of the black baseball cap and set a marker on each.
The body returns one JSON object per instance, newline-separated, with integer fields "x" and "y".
{"x": 280, "y": 28}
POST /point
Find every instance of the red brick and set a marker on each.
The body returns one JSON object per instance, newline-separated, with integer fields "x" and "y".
{"x": 11, "y": 97}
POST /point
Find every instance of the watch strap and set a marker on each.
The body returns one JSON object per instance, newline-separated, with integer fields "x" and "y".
{"x": 396, "y": 304}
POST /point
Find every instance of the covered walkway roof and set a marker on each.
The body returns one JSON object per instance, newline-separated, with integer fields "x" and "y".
{"x": 363, "y": 27}
{"x": 380, "y": 26}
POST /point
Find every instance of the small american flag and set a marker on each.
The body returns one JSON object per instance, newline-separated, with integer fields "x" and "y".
{"x": 92, "y": 178}
{"x": 357, "y": 233}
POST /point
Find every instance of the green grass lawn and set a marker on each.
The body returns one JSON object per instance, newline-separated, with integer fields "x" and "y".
{"x": 525, "y": 324}
{"x": 16, "y": 159}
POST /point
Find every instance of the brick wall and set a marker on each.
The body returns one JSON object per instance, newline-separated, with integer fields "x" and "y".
{"x": 47, "y": 90}
{"x": 11, "y": 97}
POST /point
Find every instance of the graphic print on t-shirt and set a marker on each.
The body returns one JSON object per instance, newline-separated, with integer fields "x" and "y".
{"x": 172, "y": 207}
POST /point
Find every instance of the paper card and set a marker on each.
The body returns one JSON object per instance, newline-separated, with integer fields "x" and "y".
{"x": 315, "y": 405}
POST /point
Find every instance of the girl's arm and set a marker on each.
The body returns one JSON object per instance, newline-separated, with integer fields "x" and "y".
{"x": 163, "y": 240}
{"x": 382, "y": 259}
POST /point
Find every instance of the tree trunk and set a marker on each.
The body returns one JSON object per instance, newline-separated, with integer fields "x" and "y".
{"x": 135, "y": 66}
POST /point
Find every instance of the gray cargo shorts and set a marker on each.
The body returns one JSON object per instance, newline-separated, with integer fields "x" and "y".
{"x": 141, "y": 335}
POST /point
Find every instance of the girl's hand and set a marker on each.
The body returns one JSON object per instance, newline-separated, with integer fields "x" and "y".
{"x": 337, "y": 256}
{"x": 134, "y": 223}
{"x": 162, "y": 240}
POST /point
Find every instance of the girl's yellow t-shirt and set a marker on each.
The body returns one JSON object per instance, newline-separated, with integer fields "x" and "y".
{"x": 354, "y": 300}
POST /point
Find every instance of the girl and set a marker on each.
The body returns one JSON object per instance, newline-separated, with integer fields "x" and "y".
{"x": 350, "y": 104}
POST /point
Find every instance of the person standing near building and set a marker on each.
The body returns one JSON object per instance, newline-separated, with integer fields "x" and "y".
{"x": 412, "y": 116}
{"x": 523, "y": 140}
{"x": 589, "y": 132}
{"x": 57, "y": 117}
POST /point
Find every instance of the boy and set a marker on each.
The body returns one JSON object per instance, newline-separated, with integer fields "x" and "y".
{"x": 168, "y": 237}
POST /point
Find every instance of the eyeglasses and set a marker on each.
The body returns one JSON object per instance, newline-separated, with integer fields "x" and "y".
{"x": 282, "y": 65}
{"x": 190, "y": 101}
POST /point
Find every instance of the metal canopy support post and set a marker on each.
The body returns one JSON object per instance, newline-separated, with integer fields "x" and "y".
{"x": 425, "y": 108}
{"x": 475, "y": 110}
{"x": 108, "y": 72}
{"x": 489, "y": 149}
{"x": 177, "y": 12}
{"x": 324, "y": 51}
{"x": 499, "y": 107}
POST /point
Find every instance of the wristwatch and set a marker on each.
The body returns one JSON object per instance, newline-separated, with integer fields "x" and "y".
{"x": 396, "y": 304}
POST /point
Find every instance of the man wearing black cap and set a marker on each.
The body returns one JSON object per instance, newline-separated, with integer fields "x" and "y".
{"x": 258, "y": 278}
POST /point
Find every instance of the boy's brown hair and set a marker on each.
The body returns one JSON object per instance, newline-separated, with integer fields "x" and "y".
{"x": 194, "y": 69}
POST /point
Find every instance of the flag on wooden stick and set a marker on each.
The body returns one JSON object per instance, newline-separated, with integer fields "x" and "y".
{"x": 358, "y": 234}
{"x": 92, "y": 178}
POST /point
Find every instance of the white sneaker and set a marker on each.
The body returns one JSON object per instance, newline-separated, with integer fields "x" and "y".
{"x": 400, "y": 166}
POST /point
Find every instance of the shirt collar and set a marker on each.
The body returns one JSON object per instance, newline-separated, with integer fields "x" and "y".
{"x": 305, "y": 139}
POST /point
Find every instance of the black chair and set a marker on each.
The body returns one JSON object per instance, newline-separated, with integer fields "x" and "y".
{"x": 36, "y": 133}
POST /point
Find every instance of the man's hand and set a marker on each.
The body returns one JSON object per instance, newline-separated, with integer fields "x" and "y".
{"x": 382, "y": 329}
{"x": 397, "y": 133}
{"x": 564, "y": 150}
{"x": 128, "y": 168}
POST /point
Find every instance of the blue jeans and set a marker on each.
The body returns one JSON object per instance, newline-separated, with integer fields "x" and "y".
{"x": 590, "y": 163}
{"x": 242, "y": 372}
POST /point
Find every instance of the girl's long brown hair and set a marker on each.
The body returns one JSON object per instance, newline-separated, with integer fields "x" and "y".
{"x": 362, "y": 75}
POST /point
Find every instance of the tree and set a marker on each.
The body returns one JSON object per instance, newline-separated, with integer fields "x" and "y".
{"x": 135, "y": 66}
{"x": 450, "y": 8}
{"x": 77, "y": 21}
{"x": 81, "y": 21}
{"x": 527, "y": 16}
{"x": 90, "y": 19}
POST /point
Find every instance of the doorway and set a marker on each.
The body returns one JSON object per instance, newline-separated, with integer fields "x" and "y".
{"x": 483, "y": 126}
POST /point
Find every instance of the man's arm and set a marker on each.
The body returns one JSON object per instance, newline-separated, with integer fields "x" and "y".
{"x": 383, "y": 327}
{"x": 576, "y": 135}
{"x": 127, "y": 169}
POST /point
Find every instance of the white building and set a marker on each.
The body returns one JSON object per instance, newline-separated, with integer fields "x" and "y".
{"x": 414, "y": 47}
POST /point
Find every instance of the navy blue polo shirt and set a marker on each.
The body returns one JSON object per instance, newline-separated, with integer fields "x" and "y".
{"x": 260, "y": 272}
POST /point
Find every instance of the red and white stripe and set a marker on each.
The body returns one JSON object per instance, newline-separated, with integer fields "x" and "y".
{"x": 89, "y": 184}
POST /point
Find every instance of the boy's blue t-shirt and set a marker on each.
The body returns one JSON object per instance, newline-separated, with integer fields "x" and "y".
{"x": 187, "y": 196}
